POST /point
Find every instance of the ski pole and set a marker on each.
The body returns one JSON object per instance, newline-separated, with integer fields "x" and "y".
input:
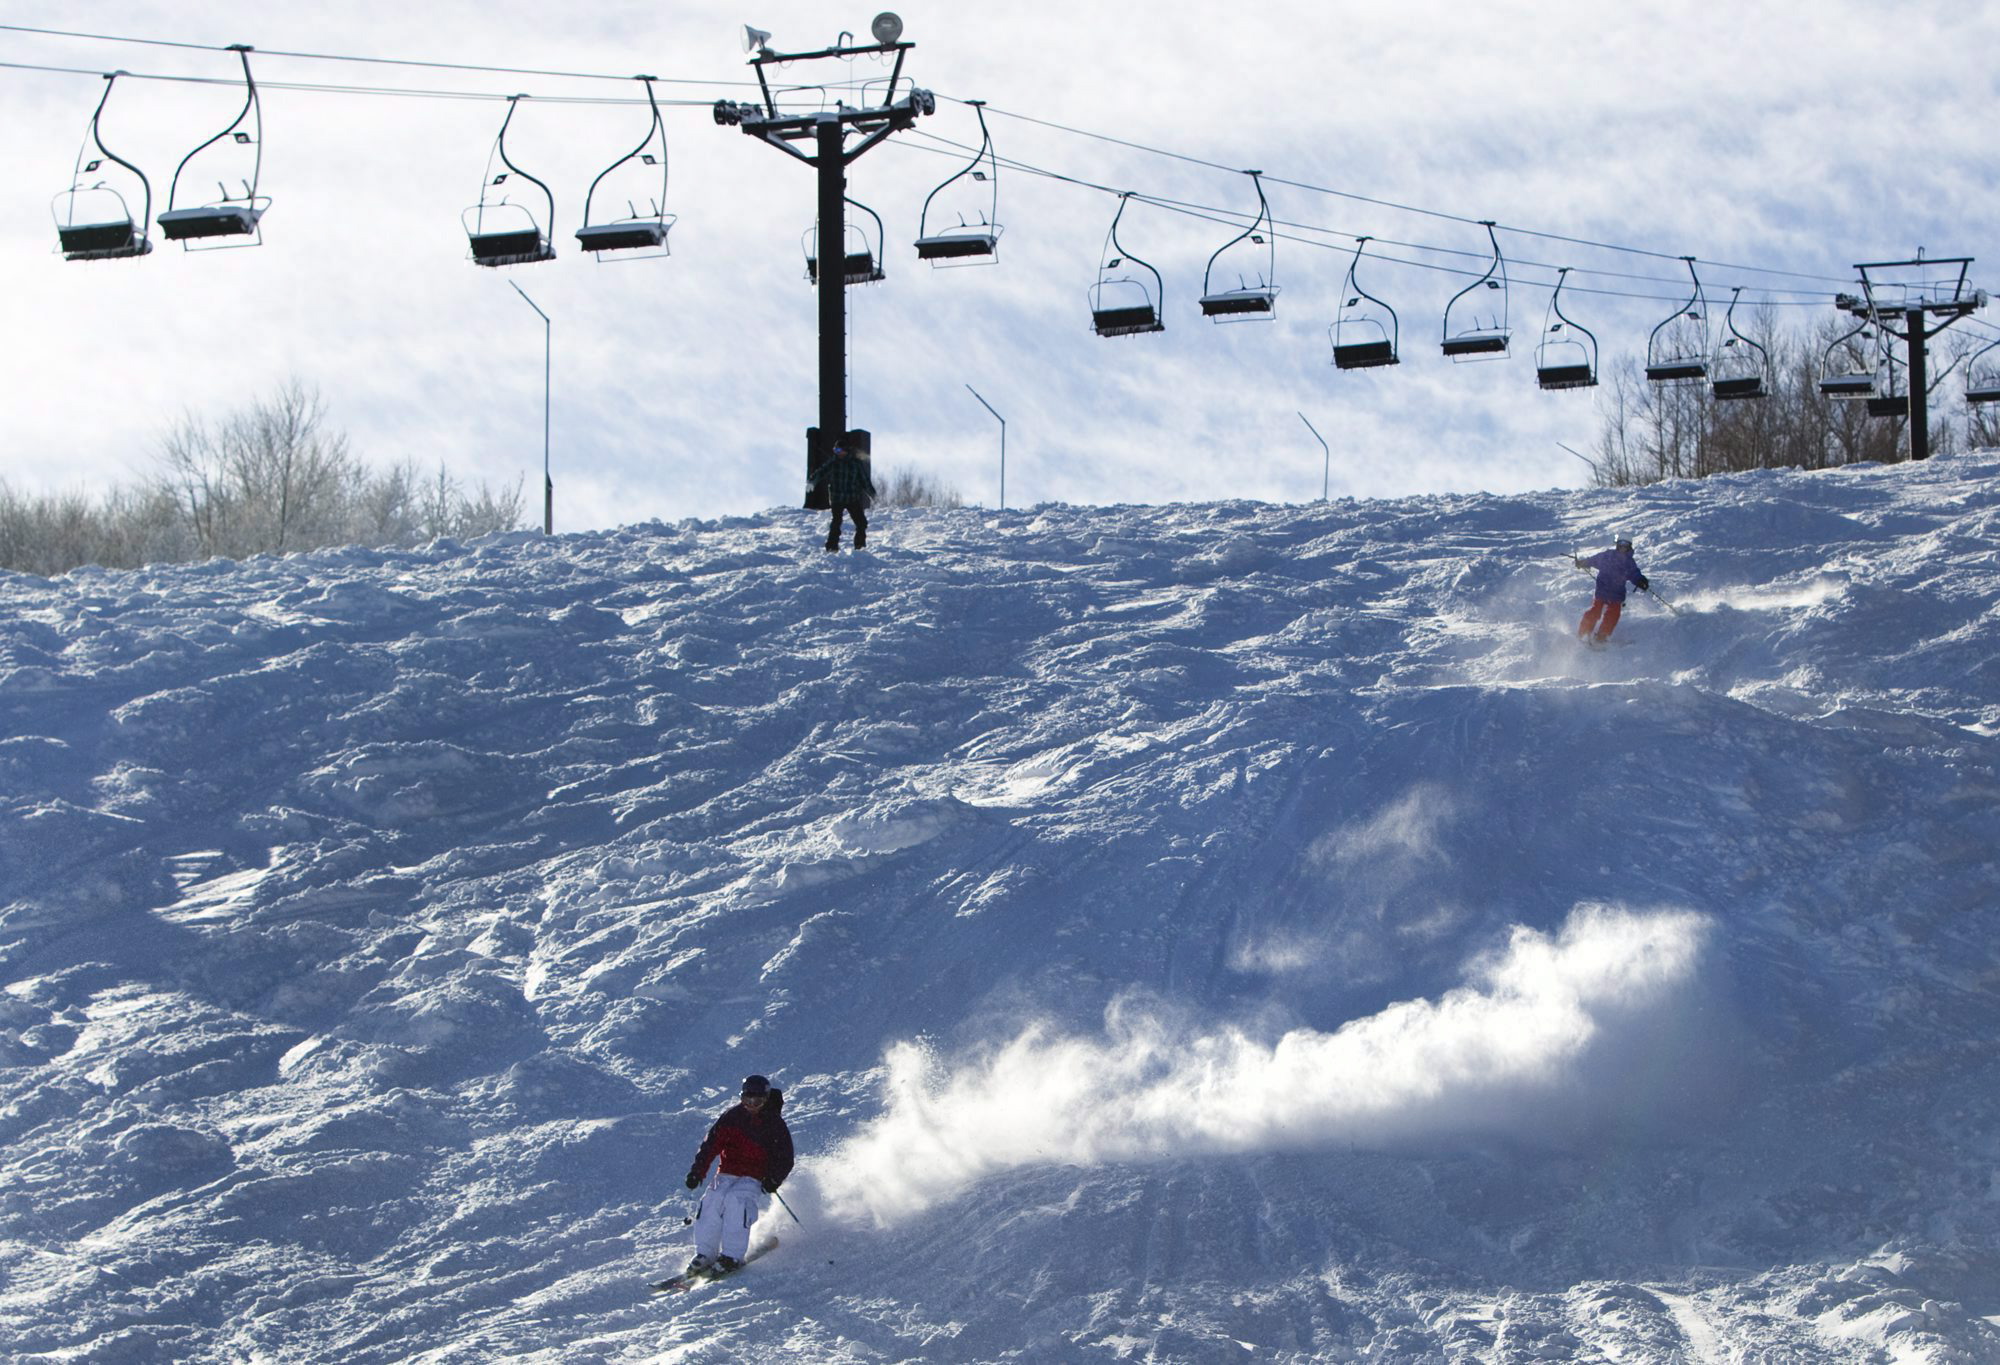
{"x": 1663, "y": 602}
{"x": 786, "y": 1207}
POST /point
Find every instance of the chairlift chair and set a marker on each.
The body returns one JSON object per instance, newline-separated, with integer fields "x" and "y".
{"x": 1473, "y": 335}
{"x": 1741, "y": 363}
{"x": 862, "y": 258}
{"x": 229, "y": 215}
{"x": 1361, "y": 339}
{"x": 1683, "y": 353}
{"x": 641, "y": 232}
{"x": 1246, "y": 302}
{"x": 1982, "y": 385}
{"x": 1885, "y": 401}
{"x": 1566, "y": 357}
{"x": 500, "y": 231}
{"x": 93, "y": 222}
{"x": 1122, "y": 305}
{"x": 1848, "y": 382}
{"x": 969, "y": 243}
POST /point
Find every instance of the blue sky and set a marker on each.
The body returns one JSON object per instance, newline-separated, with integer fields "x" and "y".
{"x": 1787, "y": 137}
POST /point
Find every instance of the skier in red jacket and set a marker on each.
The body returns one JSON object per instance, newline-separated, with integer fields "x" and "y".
{"x": 756, "y": 1151}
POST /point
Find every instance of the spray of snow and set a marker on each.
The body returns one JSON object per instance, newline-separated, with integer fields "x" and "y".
{"x": 1484, "y": 1059}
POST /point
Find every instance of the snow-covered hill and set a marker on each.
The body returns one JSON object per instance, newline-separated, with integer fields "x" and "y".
{"x": 1197, "y": 933}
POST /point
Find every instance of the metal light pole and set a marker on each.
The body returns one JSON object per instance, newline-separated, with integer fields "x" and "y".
{"x": 1003, "y": 444}
{"x": 548, "y": 367}
{"x": 1326, "y": 468}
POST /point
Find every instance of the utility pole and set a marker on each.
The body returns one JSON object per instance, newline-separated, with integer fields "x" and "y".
{"x": 548, "y": 369}
{"x": 1933, "y": 293}
{"x": 826, "y": 132}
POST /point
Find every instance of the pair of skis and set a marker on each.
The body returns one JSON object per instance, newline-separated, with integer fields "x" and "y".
{"x": 681, "y": 1283}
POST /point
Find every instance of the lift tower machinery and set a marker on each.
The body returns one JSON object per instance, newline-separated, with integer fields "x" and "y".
{"x": 1913, "y": 293}
{"x": 826, "y": 132}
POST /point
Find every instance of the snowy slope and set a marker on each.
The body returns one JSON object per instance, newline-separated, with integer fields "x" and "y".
{"x": 1206, "y": 933}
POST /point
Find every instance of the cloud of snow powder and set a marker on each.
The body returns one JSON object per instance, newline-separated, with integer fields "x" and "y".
{"x": 1485, "y": 1058}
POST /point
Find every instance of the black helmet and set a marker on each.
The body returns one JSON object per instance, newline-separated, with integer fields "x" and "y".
{"x": 755, "y": 1085}
{"x": 1624, "y": 544}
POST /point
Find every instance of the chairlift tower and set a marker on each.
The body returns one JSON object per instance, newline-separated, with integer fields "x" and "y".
{"x": 1914, "y": 292}
{"x": 826, "y": 131}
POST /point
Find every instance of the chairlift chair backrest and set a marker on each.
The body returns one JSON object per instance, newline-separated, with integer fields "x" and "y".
{"x": 1362, "y": 340}
{"x": 1680, "y": 354}
{"x": 1247, "y": 302}
{"x": 500, "y": 231}
{"x": 1473, "y": 335}
{"x": 1741, "y": 364}
{"x": 1566, "y": 357}
{"x": 1123, "y": 305}
{"x": 230, "y": 215}
{"x": 974, "y": 243}
{"x": 643, "y": 233}
{"x": 861, "y": 257}
{"x": 94, "y": 222}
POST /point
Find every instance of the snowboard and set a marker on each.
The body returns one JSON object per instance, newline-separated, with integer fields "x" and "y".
{"x": 680, "y": 1284}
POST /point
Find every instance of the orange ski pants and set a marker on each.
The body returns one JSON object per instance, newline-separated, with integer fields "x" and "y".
{"x": 1600, "y": 620}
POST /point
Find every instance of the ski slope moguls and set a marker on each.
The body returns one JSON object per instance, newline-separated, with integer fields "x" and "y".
{"x": 1199, "y": 933}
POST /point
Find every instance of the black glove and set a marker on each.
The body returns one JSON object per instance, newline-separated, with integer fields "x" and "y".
{"x": 694, "y": 1180}
{"x": 771, "y": 1186}
{"x": 1643, "y": 584}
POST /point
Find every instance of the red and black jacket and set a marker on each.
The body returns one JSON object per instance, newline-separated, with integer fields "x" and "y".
{"x": 757, "y": 1145}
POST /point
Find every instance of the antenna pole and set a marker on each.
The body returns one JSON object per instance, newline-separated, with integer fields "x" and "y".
{"x": 1003, "y": 443}
{"x": 1326, "y": 466}
{"x": 548, "y": 369}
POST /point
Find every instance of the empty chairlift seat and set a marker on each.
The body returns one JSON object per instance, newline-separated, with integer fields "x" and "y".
{"x": 641, "y": 231}
{"x": 1982, "y": 375}
{"x": 1677, "y": 350}
{"x": 1741, "y": 363}
{"x": 1475, "y": 320}
{"x": 1122, "y": 302}
{"x": 1566, "y": 357}
{"x": 498, "y": 230}
{"x": 861, "y": 261}
{"x": 1248, "y": 301}
{"x": 94, "y": 221}
{"x": 1366, "y": 332}
{"x": 229, "y": 215}
{"x": 975, "y": 238}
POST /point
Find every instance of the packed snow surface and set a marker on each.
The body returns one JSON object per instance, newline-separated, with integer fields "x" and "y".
{"x": 1194, "y": 933}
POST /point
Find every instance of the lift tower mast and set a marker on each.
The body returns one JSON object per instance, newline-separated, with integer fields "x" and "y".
{"x": 826, "y": 131}
{"x": 1913, "y": 293}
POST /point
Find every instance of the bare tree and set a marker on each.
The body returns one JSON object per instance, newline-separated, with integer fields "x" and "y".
{"x": 912, "y": 488}
{"x": 269, "y": 478}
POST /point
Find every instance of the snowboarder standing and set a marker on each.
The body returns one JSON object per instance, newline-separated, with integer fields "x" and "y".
{"x": 849, "y": 483}
{"x": 1614, "y": 568}
{"x": 755, "y": 1147}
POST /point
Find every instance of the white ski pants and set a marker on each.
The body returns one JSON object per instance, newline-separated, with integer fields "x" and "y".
{"x": 729, "y": 1209}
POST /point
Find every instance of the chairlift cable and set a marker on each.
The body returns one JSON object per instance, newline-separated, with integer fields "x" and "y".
{"x": 1211, "y": 213}
{"x": 1400, "y": 207}
{"x": 374, "y": 61}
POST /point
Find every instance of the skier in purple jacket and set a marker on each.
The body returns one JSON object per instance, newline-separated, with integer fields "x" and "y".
{"x": 1615, "y": 568}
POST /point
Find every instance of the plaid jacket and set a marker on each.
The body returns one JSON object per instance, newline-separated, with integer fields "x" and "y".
{"x": 848, "y": 480}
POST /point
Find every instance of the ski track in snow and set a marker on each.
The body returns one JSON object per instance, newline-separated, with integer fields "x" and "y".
{"x": 1212, "y": 933}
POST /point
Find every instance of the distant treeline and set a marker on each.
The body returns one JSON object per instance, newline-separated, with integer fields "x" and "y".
{"x": 1667, "y": 431}
{"x": 270, "y": 478}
